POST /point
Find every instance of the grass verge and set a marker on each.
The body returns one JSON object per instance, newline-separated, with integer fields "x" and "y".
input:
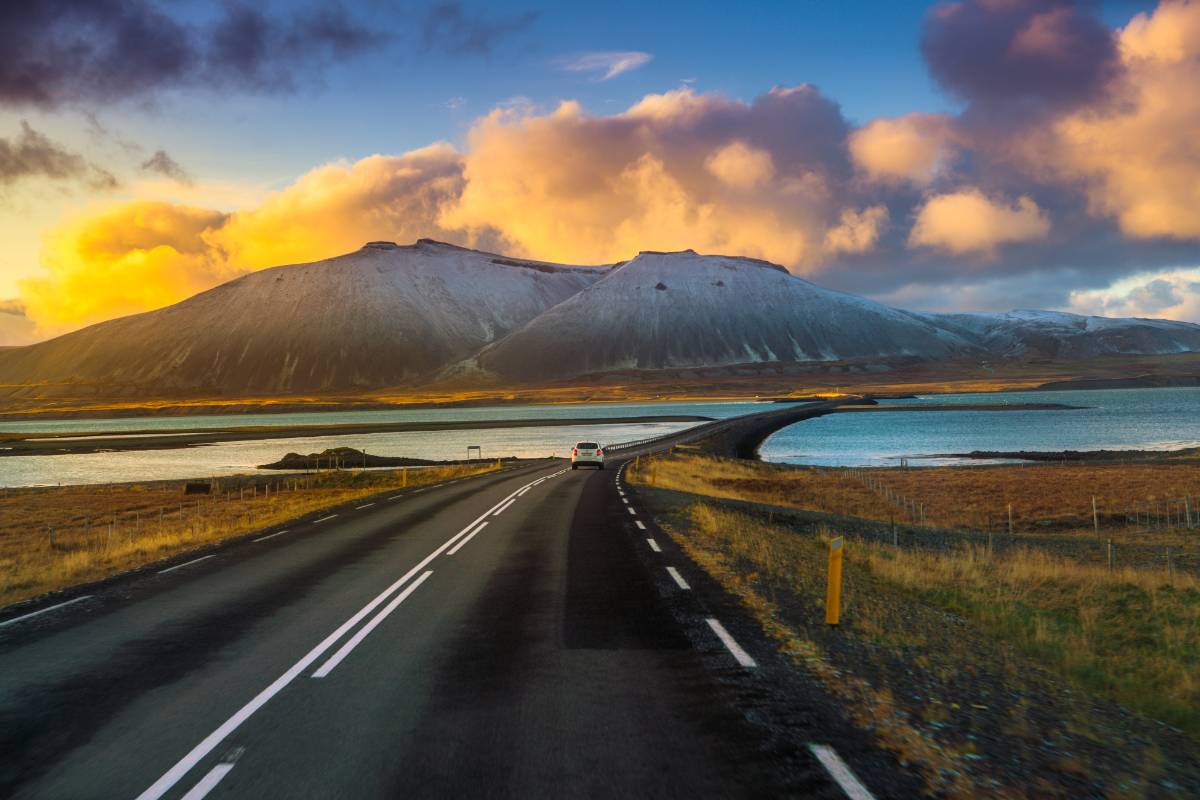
{"x": 53, "y": 538}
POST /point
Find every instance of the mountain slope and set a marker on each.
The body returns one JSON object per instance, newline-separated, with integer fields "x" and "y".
{"x": 1057, "y": 334}
{"x": 375, "y": 317}
{"x": 666, "y": 310}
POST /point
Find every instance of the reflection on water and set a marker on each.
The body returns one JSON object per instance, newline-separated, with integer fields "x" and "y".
{"x": 229, "y": 458}
{"x": 1123, "y": 419}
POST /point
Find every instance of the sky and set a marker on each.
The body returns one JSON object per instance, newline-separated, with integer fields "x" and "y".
{"x": 981, "y": 155}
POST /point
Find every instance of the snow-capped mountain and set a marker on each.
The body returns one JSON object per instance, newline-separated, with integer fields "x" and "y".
{"x": 1057, "y": 334}
{"x": 667, "y": 310}
{"x": 375, "y": 317}
{"x": 387, "y": 314}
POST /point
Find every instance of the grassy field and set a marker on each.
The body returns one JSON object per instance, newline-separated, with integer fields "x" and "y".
{"x": 942, "y": 650}
{"x": 1131, "y": 499}
{"x": 53, "y": 538}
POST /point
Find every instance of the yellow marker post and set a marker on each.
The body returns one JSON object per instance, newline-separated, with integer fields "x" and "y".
{"x": 404, "y": 477}
{"x": 833, "y": 592}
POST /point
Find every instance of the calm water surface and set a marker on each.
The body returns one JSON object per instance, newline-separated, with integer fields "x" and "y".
{"x": 231, "y": 458}
{"x": 1126, "y": 419}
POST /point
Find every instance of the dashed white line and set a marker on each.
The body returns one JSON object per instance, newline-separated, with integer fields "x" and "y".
{"x": 365, "y": 630}
{"x": 641, "y": 525}
{"x": 631, "y": 511}
{"x": 679, "y": 581}
{"x": 323, "y": 519}
{"x": 364, "y": 505}
{"x": 466, "y": 539}
{"x": 840, "y": 772}
{"x": 395, "y": 497}
{"x": 42, "y": 611}
{"x": 625, "y": 500}
{"x": 208, "y": 782}
{"x": 501, "y": 509}
{"x": 735, "y": 649}
{"x": 654, "y": 545}
{"x": 271, "y": 535}
{"x": 186, "y": 564}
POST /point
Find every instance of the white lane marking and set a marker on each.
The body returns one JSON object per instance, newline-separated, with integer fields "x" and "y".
{"x": 654, "y": 545}
{"x": 840, "y": 772}
{"x": 364, "y": 505}
{"x": 631, "y": 511}
{"x": 395, "y": 497}
{"x": 197, "y": 753}
{"x": 679, "y": 581}
{"x": 501, "y": 509}
{"x": 365, "y": 630}
{"x": 466, "y": 539}
{"x": 641, "y": 525}
{"x": 208, "y": 782}
{"x": 271, "y": 535}
{"x": 323, "y": 519}
{"x": 186, "y": 564}
{"x": 523, "y": 491}
{"x": 42, "y": 611}
{"x": 735, "y": 649}
{"x": 625, "y": 500}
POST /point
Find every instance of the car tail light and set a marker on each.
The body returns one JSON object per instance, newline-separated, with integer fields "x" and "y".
{"x": 574, "y": 452}
{"x": 597, "y": 452}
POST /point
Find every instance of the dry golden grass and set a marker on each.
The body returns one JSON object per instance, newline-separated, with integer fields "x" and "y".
{"x": 57, "y": 537}
{"x": 1132, "y": 637}
{"x": 1044, "y": 497}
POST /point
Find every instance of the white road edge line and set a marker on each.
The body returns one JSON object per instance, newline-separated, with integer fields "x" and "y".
{"x": 42, "y": 611}
{"x": 641, "y": 525}
{"x": 271, "y": 535}
{"x": 323, "y": 519}
{"x": 679, "y": 581}
{"x": 172, "y": 776}
{"x": 364, "y": 505}
{"x": 365, "y": 630}
{"x": 735, "y": 649}
{"x": 840, "y": 772}
{"x": 208, "y": 782}
{"x": 186, "y": 563}
{"x": 466, "y": 539}
{"x": 502, "y": 508}
{"x": 654, "y": 545}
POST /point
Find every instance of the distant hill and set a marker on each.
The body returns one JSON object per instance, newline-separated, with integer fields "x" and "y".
{"x": 389, "y": 315}
{"x": 380, "y": 316}
{"x": 1056, "y": 334}
{"x": 670, "y": 310}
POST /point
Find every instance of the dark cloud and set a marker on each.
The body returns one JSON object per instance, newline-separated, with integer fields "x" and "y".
{"x": 166, "y": 166}
{"x": 32, "y": 154}
{"x": 447, "y": 26}
{"x": 1027, "y": 55}
{"x": 1155, "y": 296}
{"x": 87, "y": 51}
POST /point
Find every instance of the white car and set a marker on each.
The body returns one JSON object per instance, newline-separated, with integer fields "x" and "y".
{"x": 590, "y": 453}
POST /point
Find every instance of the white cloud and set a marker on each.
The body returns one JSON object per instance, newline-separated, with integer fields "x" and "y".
{"x": 1172, "y": 294}
{"x": 607, "y": 64}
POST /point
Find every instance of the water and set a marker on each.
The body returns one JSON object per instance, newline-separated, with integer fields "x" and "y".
{"x": 1117, "y": 419}
{"x": 242, "y": 457}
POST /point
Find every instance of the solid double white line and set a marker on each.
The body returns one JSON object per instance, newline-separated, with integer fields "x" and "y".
{"x": 501, "y": 509}
{"x": 365, "y": 630}
{"x": 172, "y": 776}
{"x": 209, "y": 782}
{"x": 466, "y": 539}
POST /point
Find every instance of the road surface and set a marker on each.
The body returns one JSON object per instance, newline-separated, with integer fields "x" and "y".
{"x": 517, "y": 634}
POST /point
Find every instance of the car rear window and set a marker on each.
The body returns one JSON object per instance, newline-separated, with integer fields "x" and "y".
{"x": 587, "y": 446}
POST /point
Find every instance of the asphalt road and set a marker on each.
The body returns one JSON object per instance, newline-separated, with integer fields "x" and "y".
{"x": 511, "y": 635}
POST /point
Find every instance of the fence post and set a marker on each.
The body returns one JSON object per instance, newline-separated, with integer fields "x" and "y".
{"x": 1110, "y": 555}
{"x": 833, "y": 588}
{"x": 1095, "y": 515}
{"x": 1010, "y": 521}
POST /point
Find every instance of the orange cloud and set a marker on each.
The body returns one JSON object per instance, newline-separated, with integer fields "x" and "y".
{"x": 967, "y": 222}
{"x": 1137, "y": 151}
{"x": 914, "y": 147}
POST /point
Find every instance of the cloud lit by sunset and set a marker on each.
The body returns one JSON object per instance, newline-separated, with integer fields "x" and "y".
{"x": 1016, "y": 176}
